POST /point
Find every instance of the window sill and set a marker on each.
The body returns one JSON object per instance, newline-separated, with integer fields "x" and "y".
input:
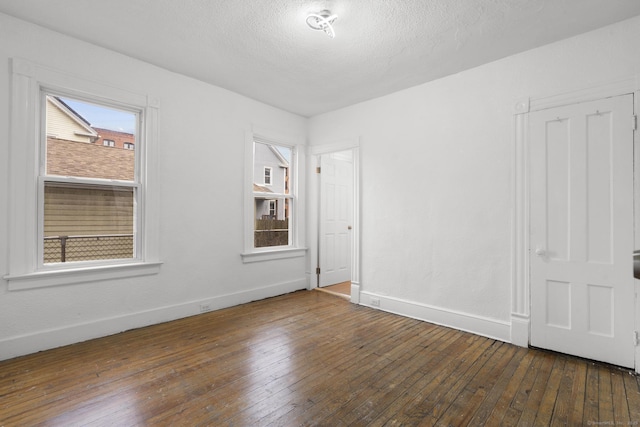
{"x": 272, "y": 254}
{"x": 42, "y": 279}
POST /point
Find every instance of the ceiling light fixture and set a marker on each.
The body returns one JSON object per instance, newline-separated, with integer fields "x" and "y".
{"x": 322, "y": 21}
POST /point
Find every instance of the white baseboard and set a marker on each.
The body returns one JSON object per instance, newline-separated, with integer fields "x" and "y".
{"x": 58, "y": 337}
{"x": 490, "y": 328}
{"x": 355, "y": 292}
{"x": 520, "y": 330}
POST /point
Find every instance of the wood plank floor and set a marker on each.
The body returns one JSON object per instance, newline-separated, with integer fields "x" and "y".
{"x": 309, "y": 358}
{"x": 341, "y": 289}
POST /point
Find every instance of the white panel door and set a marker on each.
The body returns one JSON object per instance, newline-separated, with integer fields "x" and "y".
{"x": 336, "y": 189}
{"x": 581, "y": 242}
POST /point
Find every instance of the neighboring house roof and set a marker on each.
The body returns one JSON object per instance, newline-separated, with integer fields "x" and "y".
{"x": 118, "y": 137}
{"x": 72, "y": 149}
{"x": 69, "y": 123}
{"x": 70, "y": 158}
{"x": 113, "y": 133}
{"x": 69, "y": 109}
{"x": 283, "y": 162}
{"x": 261, "y": 189}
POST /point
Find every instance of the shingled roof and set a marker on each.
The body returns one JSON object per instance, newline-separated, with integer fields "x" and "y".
{"x": 79, "y": 159}
{"x": 261, "y": 189}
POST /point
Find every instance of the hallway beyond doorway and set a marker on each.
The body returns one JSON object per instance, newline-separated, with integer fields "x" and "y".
{"x": 340, "y": 289}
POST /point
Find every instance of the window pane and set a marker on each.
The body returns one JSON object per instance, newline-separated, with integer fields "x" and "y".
{"x": 271, "y": 223}
{"x": 77, "y": 147}
{"x": 271, "y": 166}
{"x": 87, "y": 223}
{"x": 272, "y": 174}
{"x": 84, "y": 221}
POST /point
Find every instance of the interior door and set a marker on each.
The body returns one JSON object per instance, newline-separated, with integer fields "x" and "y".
{"x": 581, "y": 241}
{"x": 336, "y": 193}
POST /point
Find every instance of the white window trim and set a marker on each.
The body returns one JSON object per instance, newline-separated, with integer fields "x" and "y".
{"x": 296, "y": 247}
{"x": 25, "y": 272}
{"x": 45, "y": 178}
{"x": 264, "y": 175}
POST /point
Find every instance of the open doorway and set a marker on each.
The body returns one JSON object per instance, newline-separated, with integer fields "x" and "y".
{"x": 339, "y": 289}
{"x": 335, "y": 240}
{"x": 335, "y": 219}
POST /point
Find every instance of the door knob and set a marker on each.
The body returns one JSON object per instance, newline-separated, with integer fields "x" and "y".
{"x": 540, "y": 252}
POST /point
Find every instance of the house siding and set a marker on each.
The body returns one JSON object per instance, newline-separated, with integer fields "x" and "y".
{"x": 71, "y": 214}
{"x": 61, "y": 126}
{"x": 70, "y": 211}
{"x": 265, "y": 157}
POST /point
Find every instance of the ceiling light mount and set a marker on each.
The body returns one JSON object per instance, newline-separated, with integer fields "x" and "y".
{"x": 322, "y": 21}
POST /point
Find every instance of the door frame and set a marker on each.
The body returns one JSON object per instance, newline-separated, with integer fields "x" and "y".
{"x": 520, "y": 276}
{"x": 313, "y": 226}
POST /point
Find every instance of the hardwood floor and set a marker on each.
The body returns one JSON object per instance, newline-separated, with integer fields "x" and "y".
{"x": 341, "y": 289}
{"x": 309, "y": 358}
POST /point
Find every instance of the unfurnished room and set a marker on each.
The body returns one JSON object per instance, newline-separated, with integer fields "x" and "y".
{"x": 283, "y": 213}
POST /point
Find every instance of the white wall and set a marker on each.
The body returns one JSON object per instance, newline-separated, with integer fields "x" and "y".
{"x": 437, "y": 173}
{"x": 202, "y": 133}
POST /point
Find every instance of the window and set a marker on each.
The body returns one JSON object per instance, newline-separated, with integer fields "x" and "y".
{"x": 272, "y": 225}
{"x": 128, "y": 146}
{"x": 87, "y": 204}
{"x": 66, "y": 197}
{"x": 272, "y": 207}
{"x": 267, "y": 175}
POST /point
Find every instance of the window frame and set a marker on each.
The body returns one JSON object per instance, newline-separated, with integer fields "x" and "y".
{"x": 44, "y": 178}
{"x": 27, "y": 270}
{"x": 295, "y": 248}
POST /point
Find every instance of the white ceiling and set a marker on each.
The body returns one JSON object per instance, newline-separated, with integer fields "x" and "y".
{"x": 263, "y": 49}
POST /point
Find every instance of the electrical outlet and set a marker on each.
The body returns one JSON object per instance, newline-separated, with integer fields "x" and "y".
{"x": 375, "y": 302}
{"x": 205, "y": 308}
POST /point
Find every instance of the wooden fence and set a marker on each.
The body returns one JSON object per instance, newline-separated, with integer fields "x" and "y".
{"x": 271, "y": 232}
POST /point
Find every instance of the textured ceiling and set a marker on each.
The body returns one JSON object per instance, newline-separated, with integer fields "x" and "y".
{"x": 264, "y": 50}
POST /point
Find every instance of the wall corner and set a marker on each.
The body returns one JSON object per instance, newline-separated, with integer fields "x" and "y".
{"x": 519, "y": 330}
